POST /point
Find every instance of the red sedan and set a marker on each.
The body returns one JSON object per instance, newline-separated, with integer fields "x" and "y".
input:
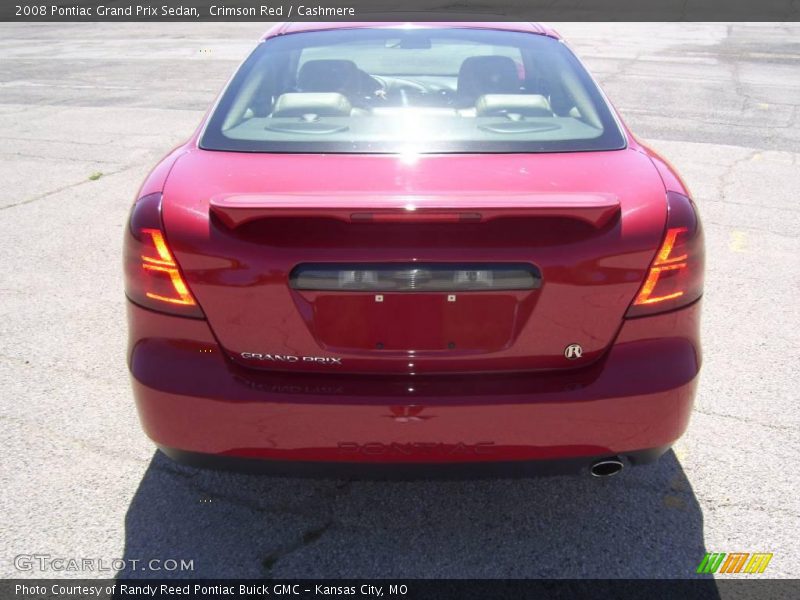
{"x": 396, "y": 246}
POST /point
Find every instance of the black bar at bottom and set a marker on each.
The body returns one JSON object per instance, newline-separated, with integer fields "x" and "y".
{"x": 397, "y": 589}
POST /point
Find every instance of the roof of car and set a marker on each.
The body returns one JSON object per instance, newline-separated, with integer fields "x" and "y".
{"x": 285, "y": 28}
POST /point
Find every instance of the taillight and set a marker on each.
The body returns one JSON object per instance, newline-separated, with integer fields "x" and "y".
{"x": 675, "y": 277}
{"x": 152, "y": 276}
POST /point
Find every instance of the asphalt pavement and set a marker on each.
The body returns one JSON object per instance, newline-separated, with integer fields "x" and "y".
{"x": 87, "y": 109}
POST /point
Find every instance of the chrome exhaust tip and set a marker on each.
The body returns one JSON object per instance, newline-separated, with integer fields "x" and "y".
{"x": 607, "y": 467}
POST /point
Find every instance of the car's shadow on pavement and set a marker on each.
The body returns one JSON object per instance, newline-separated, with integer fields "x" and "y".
{"x": 644, "y": 522}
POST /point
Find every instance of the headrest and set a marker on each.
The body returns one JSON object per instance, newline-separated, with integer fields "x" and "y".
{"x": 488, "y": 75}
{"x": 322, "y": 105}
{"x": 527, "y": 105}
{"x": 327, "y": 76}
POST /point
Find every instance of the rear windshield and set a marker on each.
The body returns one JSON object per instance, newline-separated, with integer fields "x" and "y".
{"x": 412, "y": 91}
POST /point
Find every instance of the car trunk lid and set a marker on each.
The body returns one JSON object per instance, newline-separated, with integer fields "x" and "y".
{"x": 434, "y": 242}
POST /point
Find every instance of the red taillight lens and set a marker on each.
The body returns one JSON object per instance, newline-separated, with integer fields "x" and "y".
{"x": 675, "y": 277}
{"x": 152, "y": 276}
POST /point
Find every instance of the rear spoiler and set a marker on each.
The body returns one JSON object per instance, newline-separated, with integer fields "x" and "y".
{"x": 595, "y": 209}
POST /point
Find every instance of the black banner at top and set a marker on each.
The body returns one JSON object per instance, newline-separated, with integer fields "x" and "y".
{"x": 399, "y": 10}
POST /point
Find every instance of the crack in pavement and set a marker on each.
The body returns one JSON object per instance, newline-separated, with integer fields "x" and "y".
{"x": 64, "y": 188}
{"x": 312, "y": 535}
{"x": 714, "y": 505}
{"x": 306, "y": 539}
{"x": 729, "y": 171}
{"x": 745, "y": 420}
{"x": 10, "y": 155}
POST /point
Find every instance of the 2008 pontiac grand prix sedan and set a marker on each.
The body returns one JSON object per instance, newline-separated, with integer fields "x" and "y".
{"x": 397, "y": 246}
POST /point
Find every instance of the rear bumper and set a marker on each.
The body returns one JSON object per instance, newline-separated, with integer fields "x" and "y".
{"x": 405, "y": 470}
{"x": 202, "y": 409}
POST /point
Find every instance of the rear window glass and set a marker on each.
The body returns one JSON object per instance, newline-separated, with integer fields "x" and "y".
{"x": 397, "y": 90}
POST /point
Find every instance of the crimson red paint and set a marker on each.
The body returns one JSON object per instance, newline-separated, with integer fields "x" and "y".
{"x": 354, "y": 372}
